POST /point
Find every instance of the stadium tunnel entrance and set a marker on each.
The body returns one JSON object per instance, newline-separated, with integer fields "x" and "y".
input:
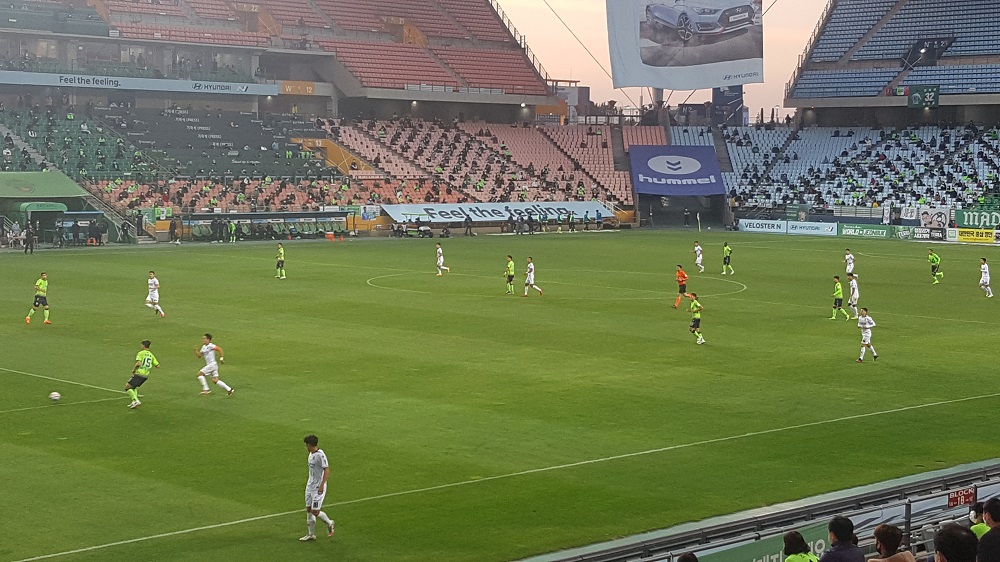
{"x": 668, "y": 211}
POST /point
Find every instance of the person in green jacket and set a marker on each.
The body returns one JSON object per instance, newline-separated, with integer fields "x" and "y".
{"x": 797, "y": 549}
{"x": 979, "y": 527}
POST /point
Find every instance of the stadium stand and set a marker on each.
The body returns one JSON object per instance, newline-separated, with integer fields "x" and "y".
{"x": 508, "y": 70}
{"x": 849, "y": 21}
{"x": 189, "y": 34}
{"x": 643, "y": 135}
{"x": 691, "y": 136}
{"x": 212, "y": 9}
{"x": 479, "y": 18}
{"x": 974, "y": 30}
{"x": 979, "y": 79}
{"x": 825, "y": 166}
{"x": 590, "y": 148}
{"x": 54, "y": 17}
{"x": 843, "y": 83}
{"x": 387, "y": 65}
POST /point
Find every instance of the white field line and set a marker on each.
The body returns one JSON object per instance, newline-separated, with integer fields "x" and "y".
{"x": 689, "y": 445}
{"x": 62, "y": 405}
{"x": 62, "y": 380}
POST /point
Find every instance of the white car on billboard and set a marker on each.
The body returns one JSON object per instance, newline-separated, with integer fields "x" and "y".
{"x": 702, "y": 18}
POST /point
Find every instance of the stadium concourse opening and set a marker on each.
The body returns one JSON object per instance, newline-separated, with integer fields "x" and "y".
{"x": 45, "y": 201}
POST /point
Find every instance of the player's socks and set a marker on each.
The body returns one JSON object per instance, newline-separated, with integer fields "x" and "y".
{"x": 46, "y": 313}
{"x": 677, "y": 302}
{"x": 223, "y": 386}
{"x": 874, "y": 355}
{"x": 324, "y": 518}
{"x": 31, "y": 313}
{"x": 133, "y": 394}
{"x": 149, "y": 305}
{"x": 863, "y": 349}
{"x": 204, "y": 383}
{"x": 834, "y": 317}
{"x": 311, "y": 523}
{"x": 158, "y": 309}
{"x": 846, "y": 314}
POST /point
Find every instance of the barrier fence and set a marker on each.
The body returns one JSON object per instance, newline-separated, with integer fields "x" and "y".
{"x": 919, "y": 233}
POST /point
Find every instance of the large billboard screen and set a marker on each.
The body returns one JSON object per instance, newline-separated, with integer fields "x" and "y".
{"x": 685, "y": 44}
{"x": 676, "y": 170}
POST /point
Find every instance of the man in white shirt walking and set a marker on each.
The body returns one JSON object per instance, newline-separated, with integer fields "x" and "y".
{"x": 319, "y": 473}
{"x": 866, "y": 323}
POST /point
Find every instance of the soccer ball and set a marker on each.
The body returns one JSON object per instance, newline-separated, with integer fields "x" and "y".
{"x": 710, "y": 228}
{"x": 54, "y": 396}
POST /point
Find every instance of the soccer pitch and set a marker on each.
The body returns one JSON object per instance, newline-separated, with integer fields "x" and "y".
{"x": 463, "y": 424}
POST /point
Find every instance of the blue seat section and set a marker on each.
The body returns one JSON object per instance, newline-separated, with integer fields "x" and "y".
{"x": 843, "y": 83}
{"x": 971, "y": 79}
{"x": 973, "y": 23}
{"x": 849, "y": 21}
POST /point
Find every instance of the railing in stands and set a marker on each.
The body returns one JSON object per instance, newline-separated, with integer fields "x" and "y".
{"x": 809, "y": 45}
{"x": 523, "y": 42}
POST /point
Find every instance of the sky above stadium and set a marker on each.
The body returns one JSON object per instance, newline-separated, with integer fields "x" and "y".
{"x": 787, "y": 28}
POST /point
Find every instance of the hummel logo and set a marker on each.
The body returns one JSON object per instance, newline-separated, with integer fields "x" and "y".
{"x": 674, "y": 165}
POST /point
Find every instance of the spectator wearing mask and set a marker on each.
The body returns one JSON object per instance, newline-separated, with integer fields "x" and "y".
{"x": 888, "y": 539}
{"x": 989, "y": 543}
{"x": 953, "y": 543}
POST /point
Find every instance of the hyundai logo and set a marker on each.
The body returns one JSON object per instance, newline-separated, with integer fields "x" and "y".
{"x": 674, "y": 165}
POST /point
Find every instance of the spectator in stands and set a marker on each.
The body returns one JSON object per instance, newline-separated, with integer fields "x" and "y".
{"x": 979, "y": 527}
{"x": 842, "y": 548}
{"x": 796, "y": 549}
{"x": 888, "y": 539}
{"x": 989, "y": 543}
{"x": 954, "y": 543}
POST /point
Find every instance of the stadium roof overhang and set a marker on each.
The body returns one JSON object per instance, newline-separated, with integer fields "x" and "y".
{"x": 894, "y": 102}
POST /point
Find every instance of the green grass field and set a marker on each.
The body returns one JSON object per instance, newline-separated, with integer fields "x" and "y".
{"x": 463, "y": 424}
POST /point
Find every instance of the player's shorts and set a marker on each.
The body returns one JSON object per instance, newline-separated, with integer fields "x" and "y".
{"x": 984, "y": 281}
{"x": 440, "y": 262}
{"x": 934, "y": 268}
{"x": 697, "y": 260}
{"x": 211, "y": 370}
{"x": 866, "y": 337}
{"x": 852, "y": 302}
{"x": 137, "y": 380}
{"x": 682, "y": 288}
{"x": 153, "y": 296}
{"x": 850, "y": 268}
{"x": 837, "y": 303}
{"x": 314, "y": 499}
{"x": 41, "y": 301}
{"x": 510, "y": 278}
{"x": 695, "y": 323}
{"x": 529, "y": 280}
{"x": 280, "y": 264}
{"x": 725, "y": 260}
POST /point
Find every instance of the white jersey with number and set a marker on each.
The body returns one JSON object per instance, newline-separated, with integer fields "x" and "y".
{"x": 854, "y": 291}
{"x": 866, "y": 323}
{"x": 849, "y": 260}
{"x": 697, "y": 254}
{"x": 530, "y": 279}
{"x": 440, "y": 257}
{"x": 208, "y": 352}
{"x": 317, "y": 465}
{"x": 984, "y": 270}
{"x": 154, "y": 290}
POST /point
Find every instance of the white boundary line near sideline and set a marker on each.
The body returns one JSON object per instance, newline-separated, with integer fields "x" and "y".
{"x": 62, "y": 380}
{"x": 60, "y": 405}
{"x": 524, "y": 473}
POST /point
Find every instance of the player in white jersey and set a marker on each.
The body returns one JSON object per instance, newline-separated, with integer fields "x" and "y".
{"x": 984, "y": 281}
{"x": 529, "y": 278}
{"x": 319, "y": 474}
{"x": 866, "y": 323}
{"x": 697, "y": 256}
{"x": 849, "y": 260}
{"x": 211, "y": 368}
{"x": 440, "y": 261}
{"x": 852, "y": 299}
{"x": 153, "y": 297}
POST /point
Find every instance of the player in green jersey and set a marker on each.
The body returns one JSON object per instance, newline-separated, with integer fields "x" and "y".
{"x": 279, "y": 268}
{"x": 696, "y": 309}
{"x": 144, "y": 362}
{"x": 727, "y": 257}
{"x": 41, "y": 298}
{"x": 838, "y": 299}
{"x": 509, "y": 274}
{"x": 935, "y": 261}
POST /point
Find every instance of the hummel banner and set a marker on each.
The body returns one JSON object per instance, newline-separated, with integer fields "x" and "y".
{"x": 676, "y": 170}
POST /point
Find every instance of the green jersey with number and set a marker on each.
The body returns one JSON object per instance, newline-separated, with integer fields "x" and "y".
{"x": 146, "y": 362}
{"x": 41, "y": 287}
{"x": 838, "y": 291}
{"x": 934, "y": 259}
{"x": 695, "y": 309}
{"x": 510, "y": 268}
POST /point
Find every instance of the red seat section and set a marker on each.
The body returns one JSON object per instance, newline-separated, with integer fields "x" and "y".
{"x": 211, "y": 9}
{"x": 389, "y": 65}
{"x": 166, "y": 8}
{"x": 508, "y": 70}
{"x": 479, "y": 18}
